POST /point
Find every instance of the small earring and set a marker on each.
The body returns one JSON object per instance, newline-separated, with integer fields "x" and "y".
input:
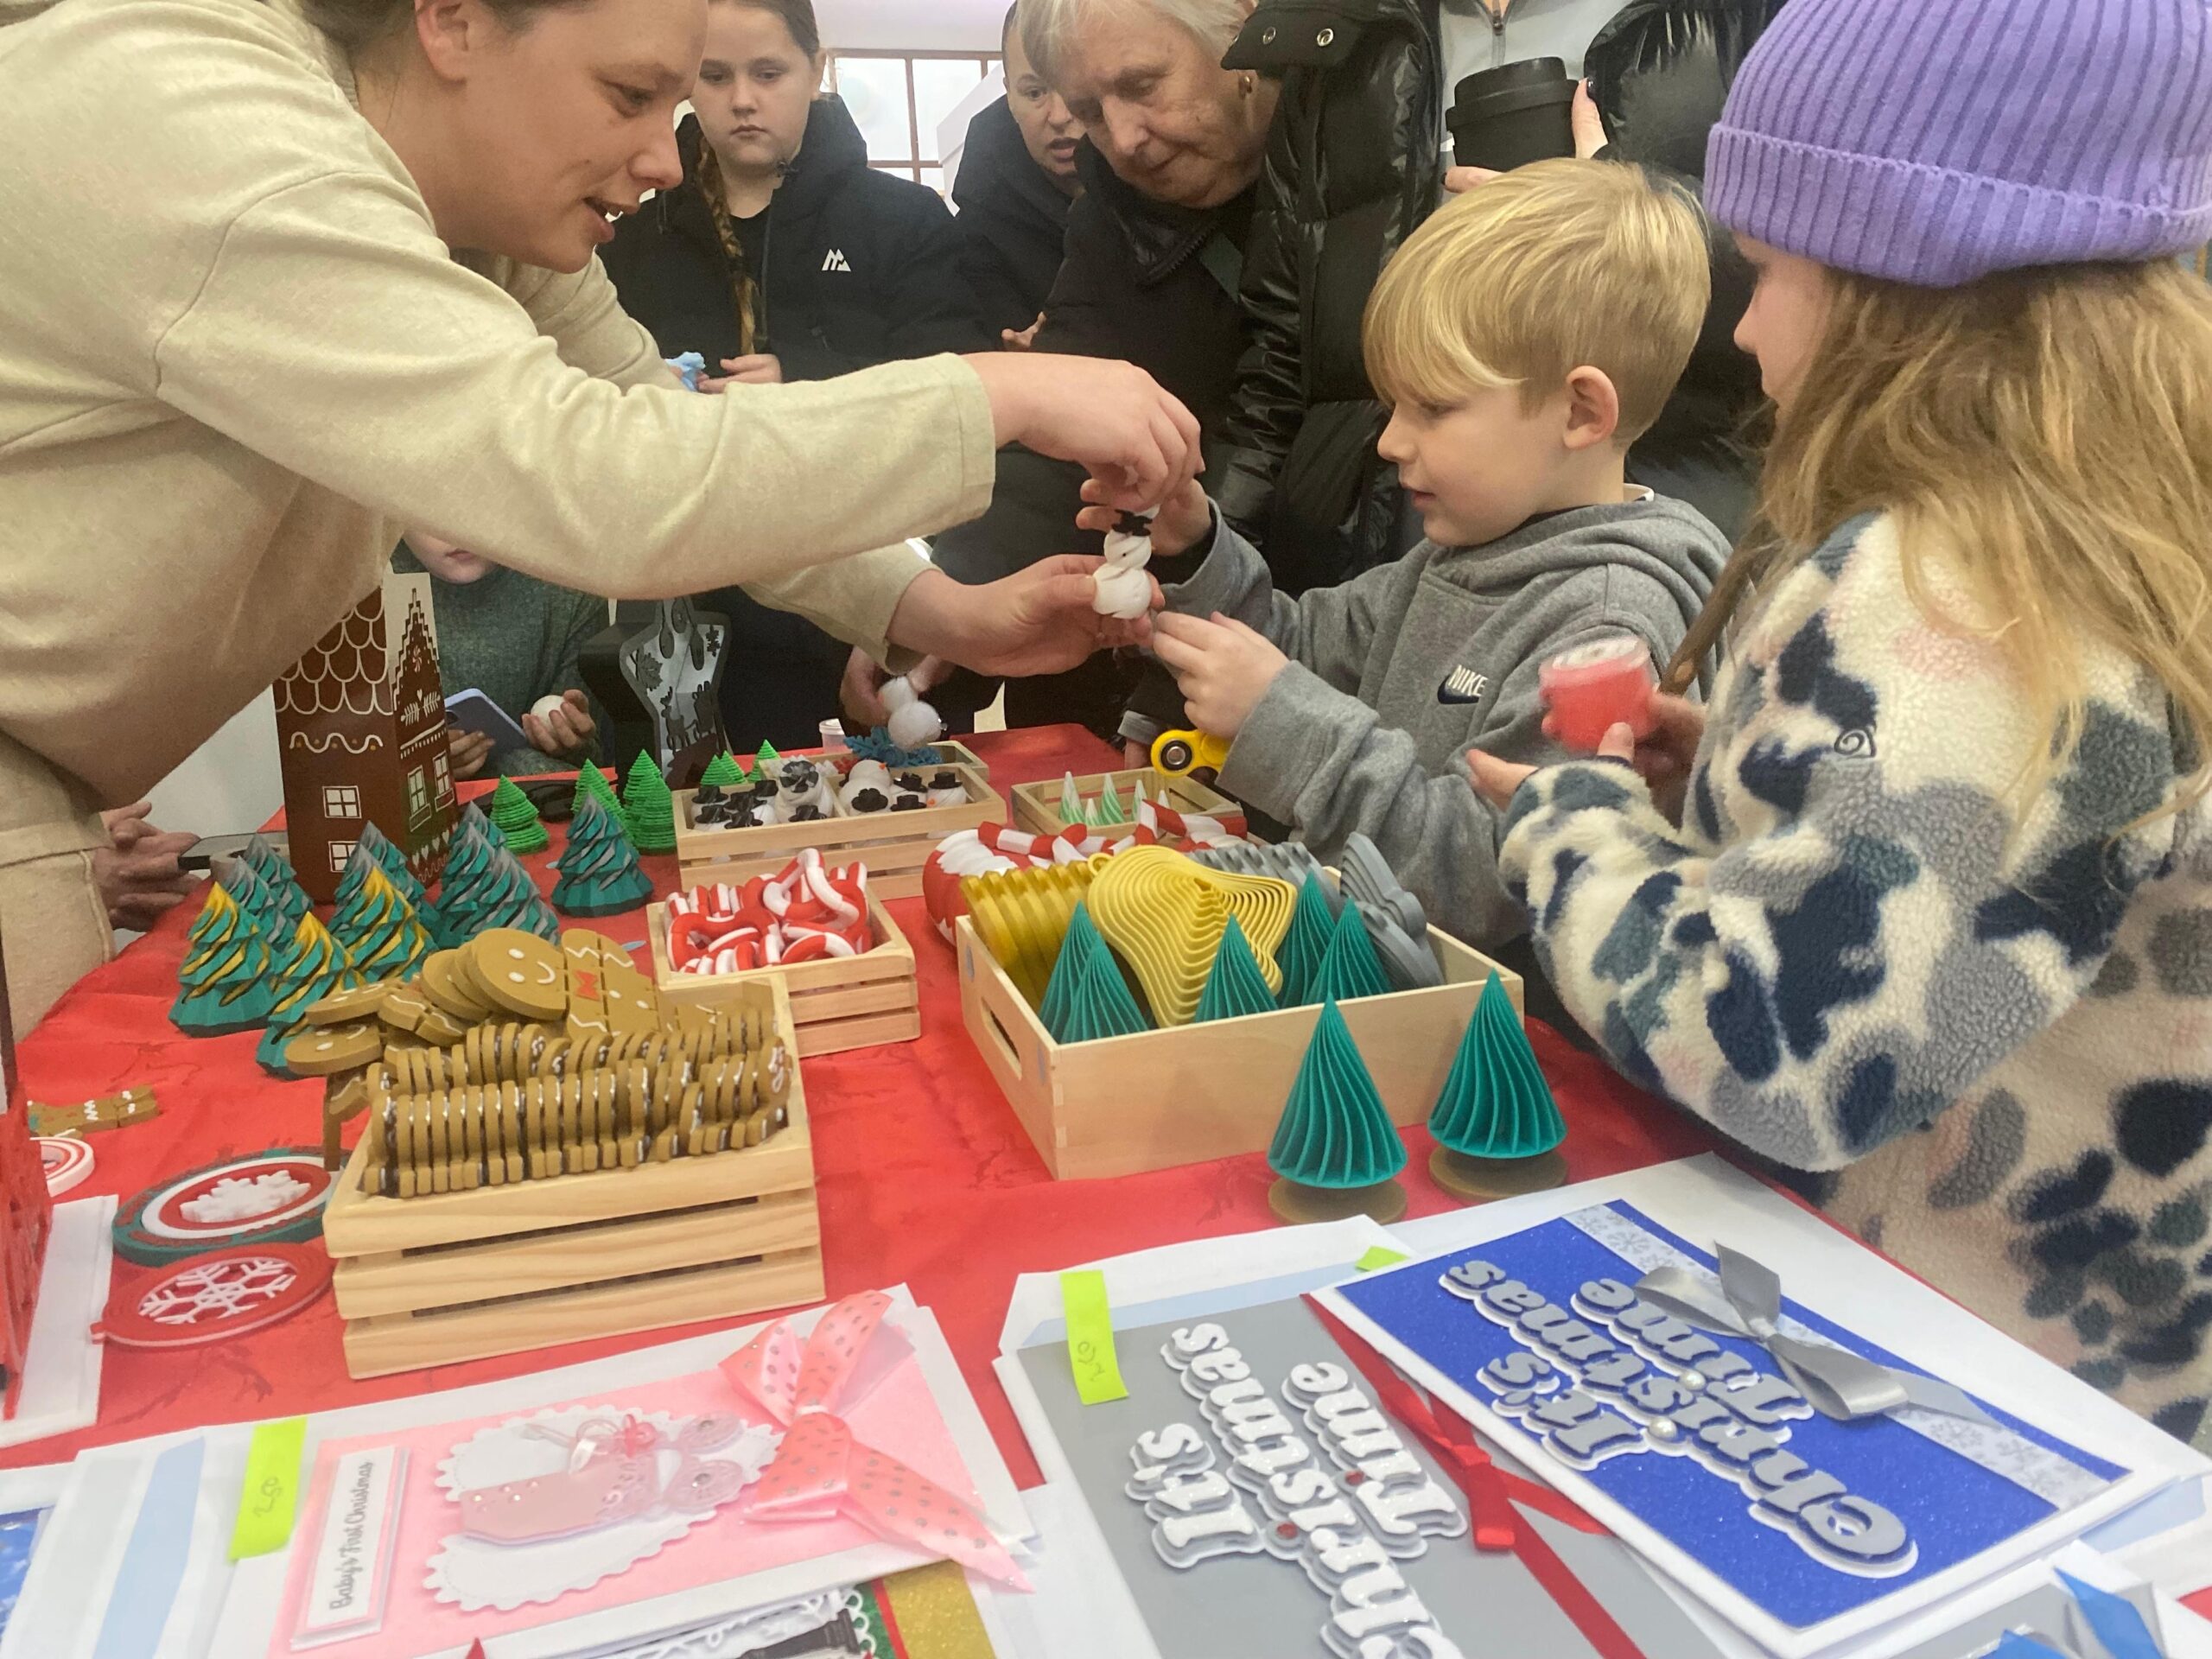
{"x": 1250, "y": 81}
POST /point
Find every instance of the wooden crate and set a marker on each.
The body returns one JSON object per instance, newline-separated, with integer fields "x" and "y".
{"x": 464, "y": 1276}
{"x": 840, "y": 1003}
{"x": 1037, "y": 806}
{"x": 893, "y": 845}
{"x": 1190, "y": 1093}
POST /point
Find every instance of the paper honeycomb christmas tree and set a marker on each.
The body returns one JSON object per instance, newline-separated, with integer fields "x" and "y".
{"x": 1313, "y": 926}
{"x": 224, "y": 985}
{"x": 451, "y": 916}
{"x": 1086, "y": 998}
{"x": 1233, "y": 984}
{"x": 516, "y": 820}
{"x": 648, "y": 808}
{"x": 1496, "y": 1126}
{"x": 258, "y": 900}
{"x": 1349, "y": 968}
{"x": 312, "y": 966}
{"x": 382, "y": 934}
{"x": 509, "y": 897}
{"x": 1335, "y": 1149}
{"x": 723, "y": 772}
{"x": 275, "y": 873}
{"x": 598, "y": 869}
{"x": 361, "y": 733}
{"x": 766, "y": 759}
{"x": 592, "y": 785}
{"x": 377, "y": 845}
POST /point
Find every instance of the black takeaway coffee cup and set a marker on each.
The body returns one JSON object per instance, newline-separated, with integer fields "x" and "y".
{"x": 1508, "y": 117}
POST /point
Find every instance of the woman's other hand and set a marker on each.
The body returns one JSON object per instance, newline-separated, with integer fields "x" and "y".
{"x": 1038, "y": 620}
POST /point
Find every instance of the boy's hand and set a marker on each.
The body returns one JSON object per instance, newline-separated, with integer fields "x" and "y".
{"x": 1181, "y": 524}
{"x": 761, "y": 369}
{"x": 467, "y": 751}
{"x": 1221, "y": 667}
{"x": 564, "y": 731}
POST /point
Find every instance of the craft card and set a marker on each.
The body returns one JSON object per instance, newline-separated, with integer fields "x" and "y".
{"x": 1255, "y": 1502}
{"x": 1799, "y": 1529}
{"x": 506, "y": 1522}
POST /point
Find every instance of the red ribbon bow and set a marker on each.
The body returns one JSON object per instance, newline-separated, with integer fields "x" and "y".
{"x": 820, "y": 1472}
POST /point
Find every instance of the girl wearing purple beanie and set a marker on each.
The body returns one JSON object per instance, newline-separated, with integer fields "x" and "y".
{"x": 1925, "y": 910}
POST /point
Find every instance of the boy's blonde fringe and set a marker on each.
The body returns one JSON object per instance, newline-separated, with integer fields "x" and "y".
{"x": 1535, "y": 273}
{"x": 2049, "y": 432}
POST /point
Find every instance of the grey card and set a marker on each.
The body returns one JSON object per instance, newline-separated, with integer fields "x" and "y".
{"x": 1258, "y": 1502}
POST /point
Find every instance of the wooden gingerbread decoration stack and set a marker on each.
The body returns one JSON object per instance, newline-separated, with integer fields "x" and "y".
{"x": 361, "y": 731}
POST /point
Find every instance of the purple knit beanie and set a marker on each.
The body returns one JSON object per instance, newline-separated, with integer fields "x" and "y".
{"x": 1934, "y": 141}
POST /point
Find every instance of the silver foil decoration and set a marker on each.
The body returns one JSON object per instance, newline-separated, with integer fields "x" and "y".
{"x": 1746, "y": 1300}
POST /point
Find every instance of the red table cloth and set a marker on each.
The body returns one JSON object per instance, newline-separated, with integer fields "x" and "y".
{"x": 926, "y": 1177}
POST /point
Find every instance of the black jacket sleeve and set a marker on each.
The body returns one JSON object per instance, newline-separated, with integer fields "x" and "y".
{"x": 1089, "y": 296}
{"x": 1268, "y": 405}
{"x": 995, "y": 284}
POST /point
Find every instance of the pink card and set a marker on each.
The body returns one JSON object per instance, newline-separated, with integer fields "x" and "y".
{"x": 434, "y": 1537}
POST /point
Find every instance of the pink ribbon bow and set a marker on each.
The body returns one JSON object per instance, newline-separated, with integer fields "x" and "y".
{"x": 820, "y": 1472}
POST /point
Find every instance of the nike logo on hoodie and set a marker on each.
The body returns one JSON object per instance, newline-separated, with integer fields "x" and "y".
{"x": 1463, "y": 684}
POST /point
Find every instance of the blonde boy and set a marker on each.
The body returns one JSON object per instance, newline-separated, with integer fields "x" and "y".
{"x": 1523, "y": 337}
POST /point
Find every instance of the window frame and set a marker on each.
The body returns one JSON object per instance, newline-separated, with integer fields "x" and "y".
{"x": 909, "y": 165}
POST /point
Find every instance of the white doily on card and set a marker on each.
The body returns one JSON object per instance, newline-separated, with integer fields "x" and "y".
{"x": 474, "y": 1573}
{"x": 732, "y": 1638}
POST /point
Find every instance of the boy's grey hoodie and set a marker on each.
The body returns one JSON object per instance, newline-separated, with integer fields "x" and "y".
{"x": 1395, "y": 674}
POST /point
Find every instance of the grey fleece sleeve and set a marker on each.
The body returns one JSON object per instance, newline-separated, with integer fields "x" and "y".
{"x": 1322, "y": 759}
{"x": 1328, "y": 630}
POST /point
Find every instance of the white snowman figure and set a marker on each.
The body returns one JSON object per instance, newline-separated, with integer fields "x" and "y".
{"x": 913, "y": 723}
{"x": 1124, "y": 590}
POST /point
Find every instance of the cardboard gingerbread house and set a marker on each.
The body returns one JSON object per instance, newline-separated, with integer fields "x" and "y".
{"x": 361, "y": 726}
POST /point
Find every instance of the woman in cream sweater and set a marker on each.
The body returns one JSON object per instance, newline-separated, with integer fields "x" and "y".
{"x": 281, "y": 272}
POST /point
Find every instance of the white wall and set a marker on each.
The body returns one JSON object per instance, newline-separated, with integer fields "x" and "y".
{"x": 910, "y": 26}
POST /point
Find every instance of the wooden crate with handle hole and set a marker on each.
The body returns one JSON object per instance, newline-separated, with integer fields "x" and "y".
{"x": 430, "y": 1280}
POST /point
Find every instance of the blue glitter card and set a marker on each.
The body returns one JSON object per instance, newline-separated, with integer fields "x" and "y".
{"x": 1810, "y": 1528}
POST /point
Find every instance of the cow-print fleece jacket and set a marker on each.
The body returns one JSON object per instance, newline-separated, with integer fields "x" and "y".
{"x": 1980, "y": 1021}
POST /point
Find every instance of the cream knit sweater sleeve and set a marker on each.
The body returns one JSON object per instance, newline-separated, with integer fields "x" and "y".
{"x": 334, "y": 335}
{"x": 853, "y": 598}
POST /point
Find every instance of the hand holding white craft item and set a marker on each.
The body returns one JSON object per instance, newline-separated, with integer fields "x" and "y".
{"x": 1124, "y": 590}
{"x": 913, "y": 723}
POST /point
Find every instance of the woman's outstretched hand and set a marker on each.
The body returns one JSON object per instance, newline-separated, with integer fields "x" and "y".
{"x": 1038, "y": 620}
{"x": 1112, "y": 418}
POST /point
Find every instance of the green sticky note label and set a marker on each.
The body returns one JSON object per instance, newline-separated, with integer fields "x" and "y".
{"x": 270, "y": 1496}
{"x": 1380, "y": 1255}
{"x": 1090, "y": 1337}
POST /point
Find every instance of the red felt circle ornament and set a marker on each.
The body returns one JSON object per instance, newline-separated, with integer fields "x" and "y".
{"x": 213, "y": 1297}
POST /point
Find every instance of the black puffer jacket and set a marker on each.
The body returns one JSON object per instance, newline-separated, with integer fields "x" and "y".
{"x": 1353, "y": 169}
{"x": 1154, "y": 284}
{"x": 893, "y": 290}
{"x": 1013, "y": 221}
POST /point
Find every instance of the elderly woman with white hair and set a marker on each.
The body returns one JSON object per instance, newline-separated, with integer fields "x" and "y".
{"x": 1155, "y": 249}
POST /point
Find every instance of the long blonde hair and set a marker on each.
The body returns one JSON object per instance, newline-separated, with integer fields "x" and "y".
{"x": 2051, "y": 432}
